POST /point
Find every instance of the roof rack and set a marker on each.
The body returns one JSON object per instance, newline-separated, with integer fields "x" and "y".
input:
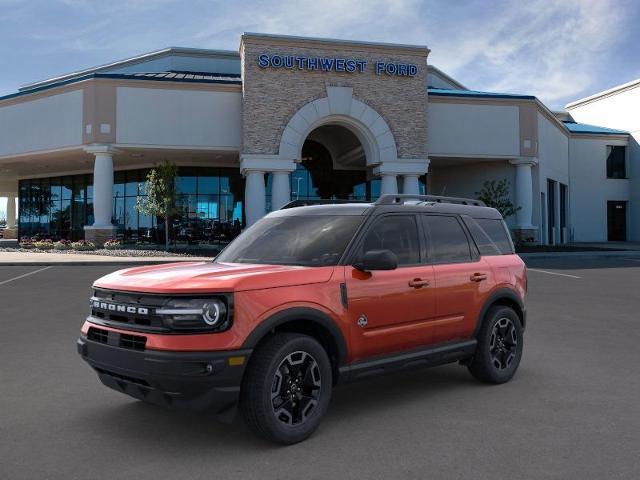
{"x": 402, "y": 198}
{"x": 319, "y": 201}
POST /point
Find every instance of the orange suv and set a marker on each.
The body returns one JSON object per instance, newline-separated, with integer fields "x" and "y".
{"x": 310, "y": 297}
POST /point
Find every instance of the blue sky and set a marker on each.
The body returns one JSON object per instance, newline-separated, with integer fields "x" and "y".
{"x": 557, "y": 50}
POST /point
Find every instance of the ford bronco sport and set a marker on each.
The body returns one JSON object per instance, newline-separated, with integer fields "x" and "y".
{"x": 310, "y": 297}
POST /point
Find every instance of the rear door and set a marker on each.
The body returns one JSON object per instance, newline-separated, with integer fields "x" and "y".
{"x": 389, "y": 311}
{"x": 462, "y": 278}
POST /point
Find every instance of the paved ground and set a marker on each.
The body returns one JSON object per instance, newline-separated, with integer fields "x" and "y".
{"x": 572, "y": 412}
{"x": 52, "y": 258}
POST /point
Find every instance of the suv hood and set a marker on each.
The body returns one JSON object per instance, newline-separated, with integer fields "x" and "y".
{"x": 206, "y": 277}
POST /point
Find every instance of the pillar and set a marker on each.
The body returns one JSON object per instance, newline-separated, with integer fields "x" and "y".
{"x": 280, "y": 190}
{"x": 254, "y": 196}
{"x": 524, "y": 228}
{"x": 11, "y": 212}
{"x": 389, "y": 184}
{"x": 102, "y": 228}
{"x": 411, "y": 184}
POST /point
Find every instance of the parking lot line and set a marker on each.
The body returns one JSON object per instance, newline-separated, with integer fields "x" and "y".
{"x": 25, "y": 275}
{"x": 552, "y": 273}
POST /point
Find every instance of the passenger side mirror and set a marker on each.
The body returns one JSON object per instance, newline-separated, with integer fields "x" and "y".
{"x": 377, "y": 260}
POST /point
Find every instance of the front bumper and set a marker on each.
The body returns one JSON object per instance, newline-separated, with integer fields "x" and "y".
{"x": 202, "y": 381}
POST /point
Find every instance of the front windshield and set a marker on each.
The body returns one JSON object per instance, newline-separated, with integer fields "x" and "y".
{"x": 312, "y": 240}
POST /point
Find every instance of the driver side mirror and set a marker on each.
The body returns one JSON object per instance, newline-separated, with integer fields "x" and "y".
{"x": 377, "y": 260}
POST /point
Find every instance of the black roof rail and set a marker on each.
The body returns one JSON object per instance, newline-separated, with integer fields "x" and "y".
{"x": 319, "y": 201}
{"x": 396, "y": 199}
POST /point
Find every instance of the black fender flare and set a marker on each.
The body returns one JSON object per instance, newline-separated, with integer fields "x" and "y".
{"x": 293, "y": 314}
{"x": 496, "y": 296}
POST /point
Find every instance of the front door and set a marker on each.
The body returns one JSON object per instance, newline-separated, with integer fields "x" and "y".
{"x": 390, "y": 310}
{"x": 617, "y": 221}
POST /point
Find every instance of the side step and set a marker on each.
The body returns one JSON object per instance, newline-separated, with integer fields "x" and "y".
{"x": 429, "y": 357}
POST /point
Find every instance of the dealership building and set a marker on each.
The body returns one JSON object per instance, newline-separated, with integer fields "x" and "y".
{"x": 305, "y": 118}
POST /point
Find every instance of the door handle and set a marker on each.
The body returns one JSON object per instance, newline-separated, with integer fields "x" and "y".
{"x": 418, "y": 283}
{"x": 478, "y": 277}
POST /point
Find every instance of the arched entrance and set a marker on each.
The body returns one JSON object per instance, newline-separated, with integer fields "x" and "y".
{"x": 333, "y": 165}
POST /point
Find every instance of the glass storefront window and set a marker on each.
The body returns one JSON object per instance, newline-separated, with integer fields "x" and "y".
{"x": 210, "y": 205}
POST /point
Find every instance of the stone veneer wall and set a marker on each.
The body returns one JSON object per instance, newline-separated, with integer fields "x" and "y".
{"x": 271, "y": 96}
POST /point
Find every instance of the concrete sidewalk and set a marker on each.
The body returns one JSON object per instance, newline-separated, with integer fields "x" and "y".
{"x": 585, "y": 254}
{"x": 33, "y": 258}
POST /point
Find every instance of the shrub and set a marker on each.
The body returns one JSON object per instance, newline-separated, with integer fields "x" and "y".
{"x": 83, "y": 245}
{"x": 26, "y": 242}
{"x": 62, "y": 245}
{"x": 112, "y": 244}
{"x": 43, "y": 244}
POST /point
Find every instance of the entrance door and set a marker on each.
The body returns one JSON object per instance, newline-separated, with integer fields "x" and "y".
{"x": 390, "y": 310}
{"x": 617, "y": 221}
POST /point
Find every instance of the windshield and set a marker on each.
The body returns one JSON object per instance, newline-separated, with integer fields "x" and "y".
{"x": 313, "y": 240}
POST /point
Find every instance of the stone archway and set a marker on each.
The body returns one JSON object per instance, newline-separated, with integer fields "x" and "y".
{"x": 340, "y": 108}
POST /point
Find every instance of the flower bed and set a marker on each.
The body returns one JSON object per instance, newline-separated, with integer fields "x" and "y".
{"x": 112, "y": 244}
{"x": 83, "y": 245}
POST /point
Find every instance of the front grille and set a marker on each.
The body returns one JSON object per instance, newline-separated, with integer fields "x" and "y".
{"x": 128, "y": 310}
{"x": 98, "y": 335}
{"x": 133, "y": 342}
{"x": 123, "y": 340}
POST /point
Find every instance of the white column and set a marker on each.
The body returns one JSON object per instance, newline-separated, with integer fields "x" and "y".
{"x": 280, "y": 190}
{"x": 254, "y": 196}
{"x": 411, "y": 184}
{"x": 524, "y": 192}
{"x": 389, "y": 184}
{"x": 103, "y": 189}
{"x": 11, "y": 211}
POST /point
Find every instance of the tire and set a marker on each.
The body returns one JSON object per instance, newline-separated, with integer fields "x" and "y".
{"x": 296, "y": 368}
{"x": 500, "y": 343}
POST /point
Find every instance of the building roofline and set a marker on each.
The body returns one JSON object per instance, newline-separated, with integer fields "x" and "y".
{"x": 118, "y": 76}
{"x": 320, "y": 40}
{"x": 445, "y": 92}
{"x": 131, "y": 61}
{"x": 604, "y": 93}
{"x": 446, "y": 76}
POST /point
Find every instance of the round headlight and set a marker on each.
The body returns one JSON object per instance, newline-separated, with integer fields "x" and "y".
{"x": 213, "y": 312}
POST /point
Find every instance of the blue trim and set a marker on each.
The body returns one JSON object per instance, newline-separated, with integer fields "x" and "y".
{"x": 443, "y": 92}
{"x": 122, "y": 76}
{"x": 575, "y": 127}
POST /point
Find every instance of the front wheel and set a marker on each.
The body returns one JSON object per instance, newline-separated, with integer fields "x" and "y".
{"x": 499, "y": 349}
{"x": 287, "y": 388}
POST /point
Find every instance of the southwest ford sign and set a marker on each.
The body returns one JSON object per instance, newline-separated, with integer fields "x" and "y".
{"x": 331, "y": 64}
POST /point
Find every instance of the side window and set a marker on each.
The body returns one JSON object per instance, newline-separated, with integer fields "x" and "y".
{"x": 447, "y": 240}
{"x": 498, "y": 233}
{"x": 485, "y": 244}
{"x": 398, "y": 233}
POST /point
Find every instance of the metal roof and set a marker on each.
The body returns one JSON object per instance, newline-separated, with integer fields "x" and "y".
{"x": 575, "y": 127}
{"x": 444, "y": 92}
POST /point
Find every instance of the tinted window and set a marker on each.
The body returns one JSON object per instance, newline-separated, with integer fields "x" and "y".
{"x": 498, "y": 233}
{"x": 485, "y": 245}
{"x": 447, "y": 240}
{"x": 314, "y": 240}
{"x": 396, "y": 233}
{"x": 616, "y": 167}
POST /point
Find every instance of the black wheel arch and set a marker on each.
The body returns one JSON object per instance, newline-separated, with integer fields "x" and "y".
{"x": 506, "y": 297}
{"x": 307, "y": 321}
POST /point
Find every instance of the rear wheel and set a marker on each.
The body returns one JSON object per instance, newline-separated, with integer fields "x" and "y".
{"x": 500, "y": 343}
{"x": 287, "y": 388}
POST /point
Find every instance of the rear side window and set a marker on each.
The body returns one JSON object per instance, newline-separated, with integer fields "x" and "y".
{"x": 397, "y": 233}
{"x": 498, "y": 233}
{"x": 448, "y": 242}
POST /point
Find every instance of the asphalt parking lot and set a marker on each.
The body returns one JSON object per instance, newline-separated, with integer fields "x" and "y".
{"x": 571, "y": 412}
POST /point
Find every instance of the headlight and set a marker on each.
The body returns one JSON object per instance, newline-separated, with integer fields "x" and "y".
{"x": 196, "y": 314}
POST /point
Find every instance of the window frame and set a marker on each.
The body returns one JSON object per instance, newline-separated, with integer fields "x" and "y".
{"x": 474, "y": 253}
{"x": 365, "y": 228}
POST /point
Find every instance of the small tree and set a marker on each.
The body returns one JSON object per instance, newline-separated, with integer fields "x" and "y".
{"x": 160, "y": 200}
{"x": 496, "y": 195}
